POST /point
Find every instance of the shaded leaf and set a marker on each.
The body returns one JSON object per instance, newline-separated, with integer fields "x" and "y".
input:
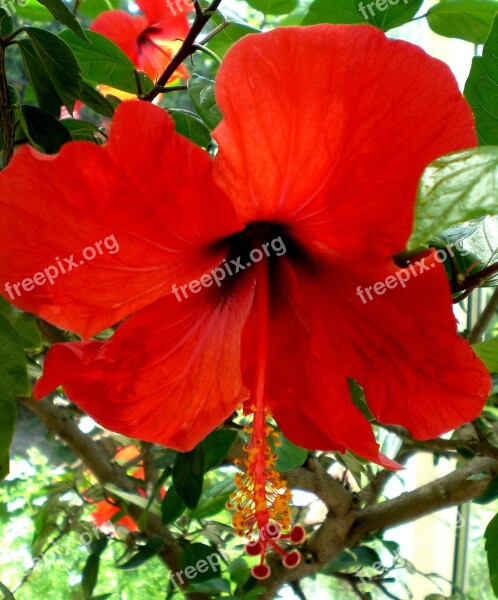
{"x": 172, "y": 507}
{"x": 90, "y": 575}
{"x": 489, "y": 494}
{"x": 95, "y": 100}
{"x": 216, "y": 447}
{"x": 213, "y": 499}
{"x": 62, "y": 13}
{"x": 13, "y": 372}
{"x": 82, "y": 130}
{"x": 102, "y": 62}
{"x": 43, "y": 131}
{"x": 190, "y": 126}
{"x": 148, "y": 551}
{"x": 6, "y": 23}
{"x": 491, "y": 546}
{"x": 188, "y": 475}
{"x": 8, "y": 415}
{"x": 201, "y": 562}
{"x": 59, "y": 63}
{"x": 45, "y": 92}
{"x": 201, "y": 91}
{"x": 289, "y": 455}
{"x": 481, "y": 89}
{"x": 7, "y": 594}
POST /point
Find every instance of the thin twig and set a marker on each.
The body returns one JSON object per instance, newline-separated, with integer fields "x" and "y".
{"x": 484, "y": 319}
{"x": 187, "y": 48}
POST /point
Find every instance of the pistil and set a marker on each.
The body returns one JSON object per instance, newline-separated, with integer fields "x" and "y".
{"x": 262, "y": 500}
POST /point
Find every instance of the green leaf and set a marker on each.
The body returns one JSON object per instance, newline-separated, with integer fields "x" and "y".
{"x": 200, "y": 562}
{"x": 62, "y": 13}
{"x": 216, "y": 447}
{"x": 239, "y": 571}
{"x": 190, "y": 126}
{"x": 93, "y": 8}
{"x": 488, "y": 352}
{"x": 455, "y": 188}
{"x": 274, "y": 7}
{"x": 6, "y": 23}
{"x": 361, "y": 556}
{"x": 226, "y": 38}
{"x": 489, "y": 494}
{"x": 214, "y": 498}
{"x": 131, "y": 498}
{"x": 289, "y": 455}
{"x": 59, "y": 63}
{"x": 491, "y": 546}
{"x": 45, "y": 92}
{"x": 43, "y": 131}
{"x": 82, "y": 130}
{"x": 102, "y": 62}
{"x": 90, "y": 575}
{"x": 381, "y": 13}
{"x": 213, "y": 586}
{"x": 13, "y": 373}
{"x": 7, "y": 594}
{"x": 146, "y": 552}
{"x": 481, "y": 89}
{"x": 172, "y": 507}
{"x": 355, "y": 465}
{"x": 188, "y": 476}
{"x": 201, "y": 91}
{"x": 468, "y": 20}
{"x": 24, "y": 324}
{"x": 32, "y": 10}
{"x": 95, "y": 100}
{"x": 8, "y": 415}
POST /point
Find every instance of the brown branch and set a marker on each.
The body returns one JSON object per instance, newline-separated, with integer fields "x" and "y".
{"x": 484, "y": 319}
{"x": 479, "y": 278}
{"x": 450, "y": 490}
{"x": 334, "y": 535}
{"x": 187, "y": 48}
{"x": 88, "y": 451}
{"x": 6, "y": 124}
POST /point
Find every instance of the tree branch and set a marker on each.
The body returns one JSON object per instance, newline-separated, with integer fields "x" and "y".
{"x": 484, "y": 319}
{"x": 6, "y": 124}
{"x": 334, "y": 535}
{"x": 86, "y": 449}
{"x": 186, "y": 49}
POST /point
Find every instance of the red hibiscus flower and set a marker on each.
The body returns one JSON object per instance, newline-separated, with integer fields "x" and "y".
{"x": 311, "y": 193}
{"x": 151, "y": 40}
{"x": 105, "y": 510}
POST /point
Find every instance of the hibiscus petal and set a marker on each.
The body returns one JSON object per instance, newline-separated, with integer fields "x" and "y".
{"x": 123, "y": 29}
{"x": 169, "y": 375}
{"x": 329, "y": 131}
{"x": 148, "y": 187}
{"x": 402, "y": 347}
{"x": 415, "y": 369}
{"x": 169, "y": 15}
{"x": 306, "y": 387}
{"x": 155, "y": 55}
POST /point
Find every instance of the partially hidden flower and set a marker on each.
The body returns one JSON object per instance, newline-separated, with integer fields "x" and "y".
{"x": 106, "y": 510}
{"x": 326, "y": 131}
{"x": 149, "y": 40}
